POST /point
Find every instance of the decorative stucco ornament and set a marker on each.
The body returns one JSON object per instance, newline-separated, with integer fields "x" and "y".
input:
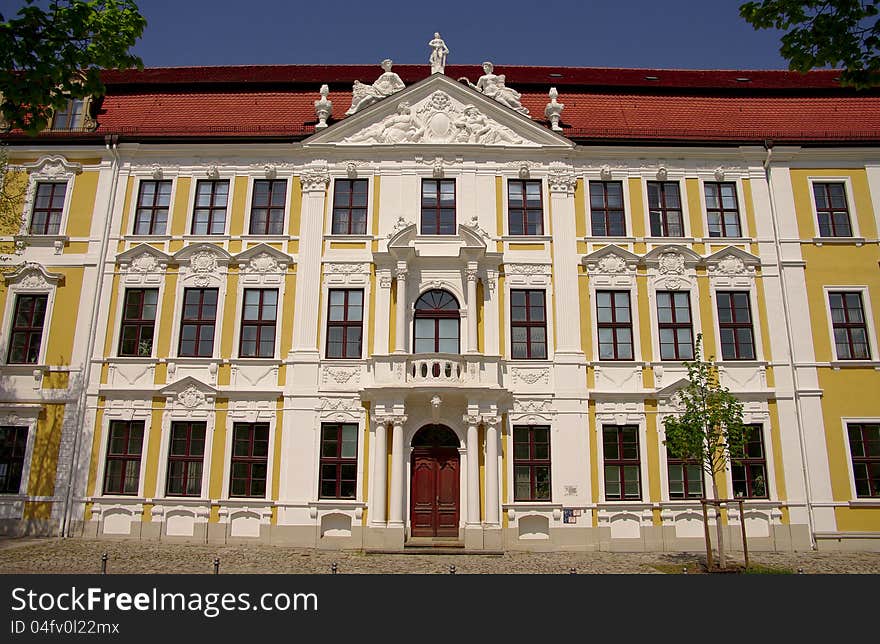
{"x": 263, "y": 263}
{"x": 554, "y": 110}
{"x": 363, "y": 95}
{"x": 731, "y": 265}
{"x": 323, "y": 108}
{"x": 612, "y": 264}
{"x": 144, "y": 263}
{"x": 671, "y": 263}
{"x": 493, "y": 86}
{"x": 191, "y": 397}
{"x": 439, "y": 51}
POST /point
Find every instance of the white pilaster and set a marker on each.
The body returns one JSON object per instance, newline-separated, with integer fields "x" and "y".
{"x": 400, "y": 318}
{"x": 308, "y": 270}
{"x": 473, "y": 478}
{"x": 565, "y": 277}
{"x": 492, "y": 492}
{"x": 472, "y": 306}
{"x": 395, "y": 503}
{"x": 380, "y": 474}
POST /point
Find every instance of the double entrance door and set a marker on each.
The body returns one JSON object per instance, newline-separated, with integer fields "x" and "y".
{"x": 434, "y": 496}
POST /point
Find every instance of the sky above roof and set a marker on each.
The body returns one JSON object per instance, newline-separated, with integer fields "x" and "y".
{"x": 683, "y": 34}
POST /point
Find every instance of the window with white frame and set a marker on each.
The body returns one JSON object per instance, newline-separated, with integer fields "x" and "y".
{"x": 48, "y": 208}
{"x": 525, "y": 209}
{"x": 350, "y": 207}
{"x": 70, "y": 116}
{"x": 675, "y": 325}
{"x": 267, "y": 206}
{"x": 722, "y": 209}
{"x": 614, "y": 325}
{"x": 749, "y": 469}
{"x": 623, "y": 472}
{"x": 13, "y": 443}
{"x": 26, "y": 333}
{"x": 209, "y": 212}
{"x": 138, "y": 322}
{"x": 258, "y": 320}
{"x": 198, "y": 323}
{"x": 153, "y": 202}
{"x": 664, "y": 206}
{"x": 250, "y": 460}
{"x": 735, "y": 325}
{"x": 849, "y": 325}
{"x": 864, "y": 449}
{"x": 123, "y": 460}
{"x": 186, "y": 454}
{"x": 607, "y": 217}
{"x": 832, "y": 209}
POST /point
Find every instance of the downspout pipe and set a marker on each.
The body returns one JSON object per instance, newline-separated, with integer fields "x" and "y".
{"x": 110, "y": 143}
{"x": 768, "y": 147}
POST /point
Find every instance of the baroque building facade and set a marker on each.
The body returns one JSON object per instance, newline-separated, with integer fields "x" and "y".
{"x": 455, "y": 313}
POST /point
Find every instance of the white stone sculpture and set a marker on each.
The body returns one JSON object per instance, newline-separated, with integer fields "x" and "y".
{"x": 439, "y": 51}
{"x": 493, "y": 86}
{"x": 323, "y": 108}
{"x": 473, "y": 127}
{"x": 554, "y": 110}
{"x": 397, "y": 128}
{"x": 364, "y": 95}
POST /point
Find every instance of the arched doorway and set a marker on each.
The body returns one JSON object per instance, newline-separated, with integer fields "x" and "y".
{"x": 436, "y": 323}
{"x": 434, "y": 492}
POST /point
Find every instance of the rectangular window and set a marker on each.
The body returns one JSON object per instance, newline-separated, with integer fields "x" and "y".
{"x": 525, "y": 209}
{"x": 197, "y": 323}
{"x": 722, "y": 209}
{"x": 350, "y": 207}
{"x": 48, "y": 207}
{"x": 674, "y": 320}
{"x": 138, "y": 322}
{"x": 338, "y": 460}
{"x": 528, "y": 325}
{"x": 685, "y": 478}
{"x": 123, "y": 470}
{"x": 623, "y": 474}
{"x": 749, "y": 473}
{"x": 27, "y": 329}
{"x": 614, "y": 324}
{"x": 735, "y": 325}
{"x": 258, "y": 323}
{"x": 345, "y": 323}
{"x": 438, "y": 206}
{"x": 864, "y": 447}
{"x": 531, "y": 463}
{"x": 267, "y": 207}
{"x": 250, "y": 458}
{"x": 186, "y": 454}
{"x": 151, "y": 217}
{"x": 12, "y": 447}
{"x": 850, "y": 329}
{"x": 832, "y": 209}
{"x": 606, "y": 209}
{"x": 68, "y": 117}
{"x": 209, "y": 215}
{"x": 664, "y": 203}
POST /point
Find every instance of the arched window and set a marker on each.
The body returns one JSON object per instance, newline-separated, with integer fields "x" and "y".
{"x": 436, "y": 323}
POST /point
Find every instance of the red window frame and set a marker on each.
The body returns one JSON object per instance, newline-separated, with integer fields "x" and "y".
{"x": 687, "y": 477}
{"x": 615, "y": 325}
{"x": 185, "y": 466}
{"x": 721, "y": 224}
{"x": 735, "y": 322}
{"x": 864, "y": 448}
{"x": 26, "y": 334}
{"x": 618, "y": 463}
{"x": 522, "y": 218}
{"x": 338, "y": 474}
{"x": 524, "y": 320}
{"x": 13, "y": 441}
{"x": 528, "y": 459}
{"x": 749, "y": 471}
{"x": 675, "y": 325}
{"x": 46, "y": 220}
{"x": 606, "y": 220}
{"x": 347, "y": 323}
{"x": 127, "y": 480}
{"x": 433, "y": 209}
{"x": 267, "y": 215}
{"x": 349, "y": 214}
{"x": 204, "y": 322}
{"x": 666, "y": 219}
{"x": 250, "y": 460}
{"x": 214, "y": 211}
{"x": 263, "y": 326}
{"x": 848, "y": 322}
{"x": 138, "y": 329}
{"x": 422, "y": 312}
{"x": 834, "y": 221}
{"x": 152, "y": 208}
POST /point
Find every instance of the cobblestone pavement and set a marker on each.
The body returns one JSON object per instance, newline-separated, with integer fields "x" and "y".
{"x": 57, "y": 556}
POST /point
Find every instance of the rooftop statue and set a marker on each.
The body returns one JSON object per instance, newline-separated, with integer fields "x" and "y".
{"x": 439, "y": 50}
{"x": 364, "y": 95}
{"x": 492, "y": 85}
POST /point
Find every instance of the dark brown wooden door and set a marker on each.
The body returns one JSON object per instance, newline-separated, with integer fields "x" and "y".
{"x": 434, "y": 497}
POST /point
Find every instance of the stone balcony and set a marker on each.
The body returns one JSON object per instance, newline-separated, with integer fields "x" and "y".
{"x": 434, "y": 371}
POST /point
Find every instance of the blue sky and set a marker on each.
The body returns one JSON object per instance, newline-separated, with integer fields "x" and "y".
{"x": 689, "y": 34}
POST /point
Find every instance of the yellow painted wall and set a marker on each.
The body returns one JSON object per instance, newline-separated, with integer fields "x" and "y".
{"x": 637, "y": 207}
{"x": 126, "y": 207}
{"x": 82, "y": 204}
{"x": 96, "y": 447}
{"x": 44, "y": 461}
{"x": 230, "y": 316}
{"x": 153, "y": 487}
{"x": 238, "y": 217}
{"x": 860, "y": 197}
{"x": 695, "y": 208}
{"x": 62, "y": 329}
{"x": 580, "y": 210}
{"x": 295, "y": 207}
{"x": 218, "y": 449}
{"x": 181, "y": 206}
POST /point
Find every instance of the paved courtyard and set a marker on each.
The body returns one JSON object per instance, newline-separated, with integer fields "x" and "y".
{"x": 58, "y": 556}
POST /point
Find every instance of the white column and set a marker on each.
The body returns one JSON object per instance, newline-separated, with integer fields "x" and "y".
{"x": 492, "y": 493}
{"x": 395, "y": 503}
{"x": 308, "y": 266}
{"x": 380, "y": 473}
{"x": 473, "y": 459}
{"x": 472, "y": 306}
{"x": 400, "y": 318}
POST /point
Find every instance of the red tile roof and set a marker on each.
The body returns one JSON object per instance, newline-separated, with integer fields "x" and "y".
{"x": 601, "y": 105}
